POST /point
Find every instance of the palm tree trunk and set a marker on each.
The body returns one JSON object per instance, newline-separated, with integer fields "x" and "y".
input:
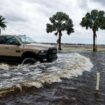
{"x": 59, "y": 41}
{"x": 94, "y": 41}
{"x": 0, "y": 31}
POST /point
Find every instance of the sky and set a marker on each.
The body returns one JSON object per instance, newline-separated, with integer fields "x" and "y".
{"x": 29, "y": 17}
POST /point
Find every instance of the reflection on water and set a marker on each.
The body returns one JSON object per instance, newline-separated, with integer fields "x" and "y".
{"x": 67, "y": 66}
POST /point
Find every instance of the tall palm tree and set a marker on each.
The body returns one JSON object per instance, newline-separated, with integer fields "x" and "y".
{"x": 60, "y": 22}
{"x": 94, "y": 20}
{"x": 2, "y": 23}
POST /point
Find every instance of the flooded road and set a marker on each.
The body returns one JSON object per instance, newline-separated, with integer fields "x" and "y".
{"x": 70, "y": 80}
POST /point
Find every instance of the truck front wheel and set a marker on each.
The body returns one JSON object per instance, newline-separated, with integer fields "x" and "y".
{"x": 28, "y": 59}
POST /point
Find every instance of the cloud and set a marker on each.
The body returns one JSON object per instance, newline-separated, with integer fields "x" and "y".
{"x": 100, "y": 1}
{"x": 30, "y": 17}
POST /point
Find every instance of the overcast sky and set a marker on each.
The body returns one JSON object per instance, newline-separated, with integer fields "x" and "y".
{"x": 30, "y": 17}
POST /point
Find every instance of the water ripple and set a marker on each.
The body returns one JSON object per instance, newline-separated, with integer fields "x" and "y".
{"x": 67, "y": 66}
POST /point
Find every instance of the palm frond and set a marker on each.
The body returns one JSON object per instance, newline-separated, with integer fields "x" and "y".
{"x": 2, "y": 22}
{"x": 60, "y": 22}
{"x": 94, "y": 20}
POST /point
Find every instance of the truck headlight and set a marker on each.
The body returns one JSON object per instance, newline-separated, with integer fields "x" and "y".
{"x": 42, "y": 52}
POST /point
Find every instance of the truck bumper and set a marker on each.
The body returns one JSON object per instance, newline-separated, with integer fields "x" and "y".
{"x": 46, "y": 58}
{"x": 50, "y": 56}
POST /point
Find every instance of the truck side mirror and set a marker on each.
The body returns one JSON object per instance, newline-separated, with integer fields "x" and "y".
{"x": 17, "y": 43}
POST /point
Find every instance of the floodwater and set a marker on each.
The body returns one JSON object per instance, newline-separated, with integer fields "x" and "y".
{"x": 70, "y": 80}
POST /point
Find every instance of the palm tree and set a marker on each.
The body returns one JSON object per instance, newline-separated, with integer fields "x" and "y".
{"x": 95, "y": 21}
{"x": 60, "y": 22}
{"x": 2, "y": 23}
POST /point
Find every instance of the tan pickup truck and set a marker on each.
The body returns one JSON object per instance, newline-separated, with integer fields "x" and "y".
{"x": 17, "y": 49}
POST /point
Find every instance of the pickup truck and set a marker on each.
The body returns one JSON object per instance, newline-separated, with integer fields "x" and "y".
{"x": 21, "y": 48}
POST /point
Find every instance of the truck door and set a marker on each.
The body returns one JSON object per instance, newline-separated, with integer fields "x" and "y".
{"x": 10, "y": 47}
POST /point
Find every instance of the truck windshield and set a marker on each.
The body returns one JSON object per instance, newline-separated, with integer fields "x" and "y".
{"x": 26, "y": 40}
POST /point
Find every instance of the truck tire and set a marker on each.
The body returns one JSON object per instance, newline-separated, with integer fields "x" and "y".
{"x": 28, "y": 58}
{"x": 29, "y": 61}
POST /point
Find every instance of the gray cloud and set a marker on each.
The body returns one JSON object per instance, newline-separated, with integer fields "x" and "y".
{"x": 30, "y": 17}
{"x": 11, "y": 11}
{"x": 14, "y": 18}
{"x": 49, "y": 8}
{"x": 83, "y": 4}
{"x": 100, "y": 1}
{"x": 49, "y": 4}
